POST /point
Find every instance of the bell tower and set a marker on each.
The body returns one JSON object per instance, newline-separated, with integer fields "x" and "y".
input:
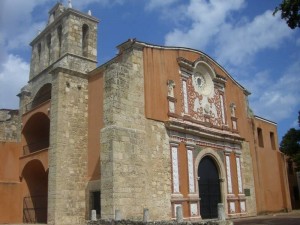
{"x": 62, "y": 55}
{"x": 69, "y": 40}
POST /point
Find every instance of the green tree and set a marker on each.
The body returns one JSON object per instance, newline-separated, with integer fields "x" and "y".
{"x": 290, "y": 11}
{"x": 290, "y": 145}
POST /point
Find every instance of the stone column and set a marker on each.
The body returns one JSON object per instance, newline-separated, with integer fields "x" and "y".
{"x": 68, "y": 149}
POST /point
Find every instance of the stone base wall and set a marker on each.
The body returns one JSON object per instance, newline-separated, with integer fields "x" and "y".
{"x": 248, "y": 179}
{"x": 130, "y": 222}
{"x": 135, "y": 155}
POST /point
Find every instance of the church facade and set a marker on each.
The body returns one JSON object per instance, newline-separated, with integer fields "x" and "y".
{"x": 155, "y": 127}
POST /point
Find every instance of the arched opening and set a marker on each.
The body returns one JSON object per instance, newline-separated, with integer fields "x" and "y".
{"x": 42, "y": 95}
{"x": 36, "y": 133}
{"x": 209, "y": 188}
{"x": 59, "y": 35}
{"x": 39, "y": 47}
{"x": 49, "y": 48}
{"x": 35, "y": 195}
{"x": 85, "y": 37}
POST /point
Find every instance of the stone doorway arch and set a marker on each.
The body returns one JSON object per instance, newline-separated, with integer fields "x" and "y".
{"x": 209, "y": 188}
{"x": 216, "y": 169}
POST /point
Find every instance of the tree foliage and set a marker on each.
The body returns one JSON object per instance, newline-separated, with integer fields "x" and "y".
{"x": 290, "y": 145}
{"x": 290, "y": 11}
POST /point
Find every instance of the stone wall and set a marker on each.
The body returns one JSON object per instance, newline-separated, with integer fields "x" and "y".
{"x": 68, "y": 149}
{"x": 9, "y": 125}
{"x": 130, "y": 222}
{"x": 48, "y": 48}
{"x": 248, "y": 179}
{"x": 135, "y": 155}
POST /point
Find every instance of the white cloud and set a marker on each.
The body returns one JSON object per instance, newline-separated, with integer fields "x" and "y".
{"x": 13, "y": 76}
{"x": 84, "y": 4}
{"x": 154, "y": 4}
{"x": 17, "y": 25}
{"x": 212, "y": 24}
{"x": 239, "y": 43}
{"x": 273, "y": 98}
{"x": 207, "y": 18}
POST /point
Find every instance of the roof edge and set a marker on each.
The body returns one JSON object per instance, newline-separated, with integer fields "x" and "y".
{"x": 265, "y": 120}
{"x": 133, "y": 41}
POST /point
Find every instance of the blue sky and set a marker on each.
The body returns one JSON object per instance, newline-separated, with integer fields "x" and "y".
{"x": 259, "y": 50}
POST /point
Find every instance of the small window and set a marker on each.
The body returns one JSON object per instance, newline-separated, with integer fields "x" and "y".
{"x": 272, "y": 139}
{"x": 85, "y": 37}
{"x": 59, "y": 35}
{"x": 39, "y": 47}
{"x": 49, "y": 47}
{"x": 95, "y": 198}
{"x": 260, "y": 137}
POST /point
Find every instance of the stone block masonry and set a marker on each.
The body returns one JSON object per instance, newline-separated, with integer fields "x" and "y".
{"x": 130, "y": 222}
{"x": 68, "y": 149}
{"x": 135, "y": 156}
{"x": 9, "y": 125}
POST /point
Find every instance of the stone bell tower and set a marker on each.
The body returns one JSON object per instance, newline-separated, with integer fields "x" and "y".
{"x": 62, "y": 55}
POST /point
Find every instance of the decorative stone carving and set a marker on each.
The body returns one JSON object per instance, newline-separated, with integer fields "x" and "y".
{"x": 194, "y": 209}
{"x": 171, "y": 86}
{"x": 238, "y": 166}
{"x": 231, "y": 207}
{"x": 185, "y": 96}
{"x": 171, "y": 107}
{"x": 229, "y": 183}
{"x": 191, "y": 171}
{"x": 243, "y": 206}
{"x": 175, "y": 170}
{"x": 202, "y": 81}
{"x": 232, "y": 109}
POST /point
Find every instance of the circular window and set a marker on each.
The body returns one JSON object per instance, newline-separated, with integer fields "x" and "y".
{"x": 202, "y": 83}
{"x": 199, "y": 80}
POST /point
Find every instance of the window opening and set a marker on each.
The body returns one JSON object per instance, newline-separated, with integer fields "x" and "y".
{"x": 49, "y": 47}
{"x": 39, "y": 50}
{"x": 85, "y": 36}
{"x": 96, "y": 202}
{"x": 59, "y": 34}
{"x": 260, "y": 137}
{"x": 272, "y": 139}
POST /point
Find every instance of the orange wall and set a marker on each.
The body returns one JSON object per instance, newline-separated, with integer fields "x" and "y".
{"x": 9, "y": 158}
{"x": 160, "y": 65}
{"x": 95, "y": 124}
{"x": 10, "y": 188}
{"x": 271, "y": 185}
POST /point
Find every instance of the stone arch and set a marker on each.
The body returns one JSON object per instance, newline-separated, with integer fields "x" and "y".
{"x": 42, "y": 95}
{"x": 221, "y": 169}
{"x": 36, "y": 133}
{"x": 35, "y": 192}
{"x": 59, "y": 37}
